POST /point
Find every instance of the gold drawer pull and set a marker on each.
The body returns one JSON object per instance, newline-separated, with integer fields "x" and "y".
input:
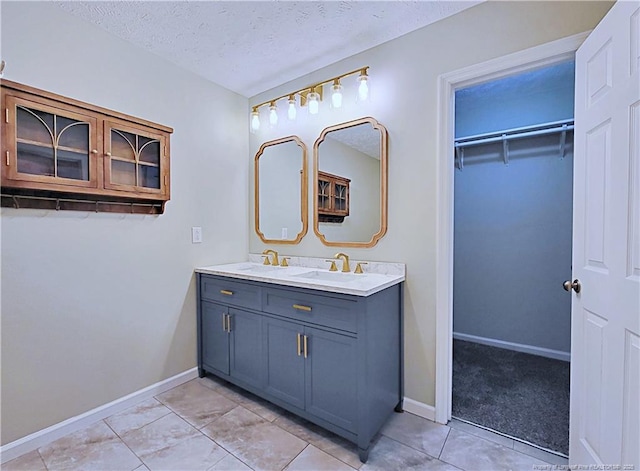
{"x": 298, "y": 343}
{"x": 300, "y": 307}
{"x": 225, "y": 292}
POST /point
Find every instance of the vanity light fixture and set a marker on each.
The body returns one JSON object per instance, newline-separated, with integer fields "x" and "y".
{"x": 363, "y": 88}
{"x": 292, "y": 111}
{"x": 273, "y": 114}
{"x": 336, "y": 94}
{"x": 255, "y": 119}
{"x": 313, "y": 101}
{"x": 311, "y": 96}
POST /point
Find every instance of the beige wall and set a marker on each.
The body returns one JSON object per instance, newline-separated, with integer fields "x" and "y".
{"x": 404, "y": 76}
{"x": 96, "y": 306}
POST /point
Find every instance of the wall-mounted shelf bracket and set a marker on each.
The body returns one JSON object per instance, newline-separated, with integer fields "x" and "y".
{"x": 563, "y": 140}
{"x": 459, "y": 158}
{"x": 505, "y": 149}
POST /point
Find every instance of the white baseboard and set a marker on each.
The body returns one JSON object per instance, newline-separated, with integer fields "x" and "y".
{"x": 518, "y": 347}
{"x": 45, "y": 436}
{"x": 419, "y": 408}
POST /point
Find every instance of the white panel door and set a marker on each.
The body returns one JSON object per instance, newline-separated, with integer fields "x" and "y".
{"x": 605, "y": 343}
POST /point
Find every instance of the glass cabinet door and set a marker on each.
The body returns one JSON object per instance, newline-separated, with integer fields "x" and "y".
{"x": 50, "y": 145}
{"x": 135, "y": 159}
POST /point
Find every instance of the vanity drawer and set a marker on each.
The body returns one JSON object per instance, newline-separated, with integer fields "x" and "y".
{"x": 231, "y": 292}
{"x": 321, "y": 310}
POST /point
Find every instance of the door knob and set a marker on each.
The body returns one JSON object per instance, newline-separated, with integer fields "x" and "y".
{"x": 572, "y": 285}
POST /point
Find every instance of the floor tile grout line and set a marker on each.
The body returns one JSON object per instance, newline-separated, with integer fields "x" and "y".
{"x": 328, "y": 453}
{"x": 124, "y": 443}
{"x": 409, "y": 446}
{"x": 299, "y": 453}
{"x": 444, "y": 442}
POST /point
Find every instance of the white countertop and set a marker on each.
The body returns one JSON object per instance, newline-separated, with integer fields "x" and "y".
{"x": 307, "y": 274}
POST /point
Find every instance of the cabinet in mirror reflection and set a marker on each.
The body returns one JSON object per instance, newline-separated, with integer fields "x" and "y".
{"x": 350, "y": 184}
{"x": 280, "y": 172}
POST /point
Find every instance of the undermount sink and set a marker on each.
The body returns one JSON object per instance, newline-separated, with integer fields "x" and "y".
{"x": 330, "y": 276}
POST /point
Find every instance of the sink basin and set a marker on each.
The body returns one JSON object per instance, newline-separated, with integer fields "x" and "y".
{"x": 250, "y": 268}
{"x": 330, "y": 276}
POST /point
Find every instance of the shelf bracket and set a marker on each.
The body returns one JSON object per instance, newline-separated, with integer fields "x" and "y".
{"x": 459, "y": 158}
{"x": 563, "y": 140}
{"x": 505, "y": 149}
{"x": 15, "y": 203}
{"x": 57, "y": 204}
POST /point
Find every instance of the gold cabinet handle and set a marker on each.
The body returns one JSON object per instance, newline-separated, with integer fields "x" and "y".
{"x": 298, "y": 344}
{"x": 108, "y": 154}
{"x": 228, "y": 323}
{"x": 224, "y": 322}
{"x": 226, "y": 292}
{"x": 94, "y": 151}
{"x": 305, "y": 346}
{"x": 300, "y": 307}
{"x": 7, "y": 157}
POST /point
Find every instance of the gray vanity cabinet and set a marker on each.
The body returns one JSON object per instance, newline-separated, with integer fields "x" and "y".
{"x": 333, "y": 359}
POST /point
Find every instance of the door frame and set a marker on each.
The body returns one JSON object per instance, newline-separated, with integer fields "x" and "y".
{"x": 540, "y": 56}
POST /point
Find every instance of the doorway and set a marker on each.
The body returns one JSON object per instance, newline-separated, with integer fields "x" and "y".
{"x": 531, "y": 59}
{"x": 512, "y": 251}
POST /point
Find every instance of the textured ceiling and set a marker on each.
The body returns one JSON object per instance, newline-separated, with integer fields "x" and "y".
{"x": 363, "y": 138}
{"x": 251, "y": 47}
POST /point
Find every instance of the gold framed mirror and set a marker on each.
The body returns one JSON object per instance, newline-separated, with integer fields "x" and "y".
{"x": 280, "y": 191}
{"x": 350, "y": 184}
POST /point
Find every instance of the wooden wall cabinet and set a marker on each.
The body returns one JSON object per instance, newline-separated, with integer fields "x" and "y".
{"x": 333, "y": 197}
{"x": 60, "y": 153}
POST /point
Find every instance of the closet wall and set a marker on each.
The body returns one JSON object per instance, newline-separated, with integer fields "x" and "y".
{"x": 512, "y": 247}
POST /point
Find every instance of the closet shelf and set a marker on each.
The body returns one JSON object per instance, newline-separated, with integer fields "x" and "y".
{"x": 506, "y": 135}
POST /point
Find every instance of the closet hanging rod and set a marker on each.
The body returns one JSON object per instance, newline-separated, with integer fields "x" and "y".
{"x": 515, "y": 133}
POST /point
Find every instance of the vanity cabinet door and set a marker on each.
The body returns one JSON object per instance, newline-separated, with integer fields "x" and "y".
{"x": 215, "y": 338}
{"x": 331, "y": 377}
{"x": 245, "y": 330}
{"x": 284, "y": 360}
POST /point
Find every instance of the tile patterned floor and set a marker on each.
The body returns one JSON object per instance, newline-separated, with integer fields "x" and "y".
{"x": 208, "y": 424}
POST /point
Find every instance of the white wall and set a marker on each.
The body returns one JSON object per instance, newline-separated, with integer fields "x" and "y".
{"x": 96, "y": 306}
{"x": 404, "y": 76}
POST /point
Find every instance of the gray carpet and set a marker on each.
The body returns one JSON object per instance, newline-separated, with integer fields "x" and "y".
{"x": 522, "y": 395}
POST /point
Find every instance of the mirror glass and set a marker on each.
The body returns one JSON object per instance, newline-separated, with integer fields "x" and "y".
{"x": 350, "y": 184}
{"x": 281, "y": 191}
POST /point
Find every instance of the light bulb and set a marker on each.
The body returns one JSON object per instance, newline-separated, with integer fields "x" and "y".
{"x": 273, "y": 115}
{"x": 336, "y": 94}
{"x": 312, "y": 101}
{"x": 292, "y": 111}
{"x": 363, "y": 88}
{"x": 255, "y": 121}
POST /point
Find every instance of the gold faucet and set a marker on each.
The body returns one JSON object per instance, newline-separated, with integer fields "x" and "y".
{"x": 345, "y": 261}
{"x": 275, "y": 262}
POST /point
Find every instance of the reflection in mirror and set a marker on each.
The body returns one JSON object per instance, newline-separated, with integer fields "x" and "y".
{"x": 281, "y": 191}
{"x": 350, "y": 184}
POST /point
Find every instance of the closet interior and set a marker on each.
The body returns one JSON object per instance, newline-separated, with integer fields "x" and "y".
{"x": 512, "y": 250}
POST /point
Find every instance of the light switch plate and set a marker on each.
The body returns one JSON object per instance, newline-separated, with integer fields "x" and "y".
{"x": 196, "y": 235}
